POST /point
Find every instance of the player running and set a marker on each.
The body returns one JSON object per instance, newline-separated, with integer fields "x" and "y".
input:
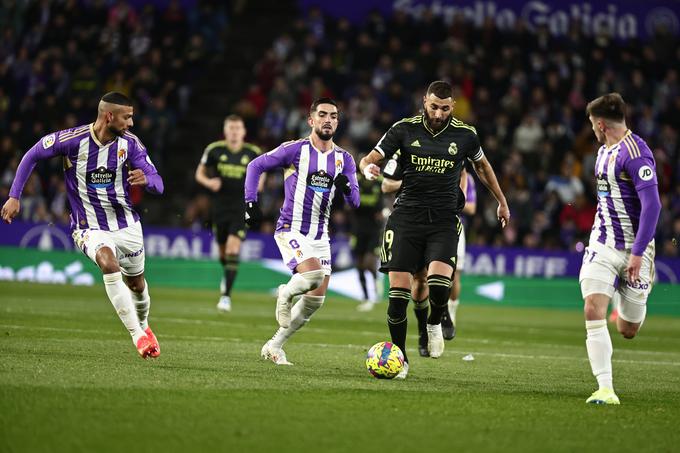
{"x": 314, "y": 169}
{"x": 620, "y": 253}
{"x": 423, "y": 229}
{"x": 101, "y": 161}
{"x": 222, "y": 170}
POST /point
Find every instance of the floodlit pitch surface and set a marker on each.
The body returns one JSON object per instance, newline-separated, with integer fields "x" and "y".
{"x": 70, "y": 380}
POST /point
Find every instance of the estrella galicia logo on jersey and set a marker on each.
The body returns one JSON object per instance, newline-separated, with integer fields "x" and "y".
{"x": 48, "y": 141}
{"x": 603, "y": 187}
{"x": 320, "y": 181}
{"x": 101, "y": 178}
{"x": 453, "y": 148}
{"x": 645, "y": 173}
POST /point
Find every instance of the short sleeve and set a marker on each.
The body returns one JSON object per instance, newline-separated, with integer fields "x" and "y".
{"x": 207, "y": 158}
{"x": 475, "y": 152}
{"x": 393, "y": 168}
{"x": 391, "y": 141}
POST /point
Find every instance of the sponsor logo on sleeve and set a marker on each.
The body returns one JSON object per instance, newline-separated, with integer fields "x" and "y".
{"x": 645, "y": 173}
{"x": 48, "y": 141}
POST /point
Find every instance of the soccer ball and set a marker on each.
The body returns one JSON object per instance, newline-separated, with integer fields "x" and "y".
{"x": 384, "y": 360}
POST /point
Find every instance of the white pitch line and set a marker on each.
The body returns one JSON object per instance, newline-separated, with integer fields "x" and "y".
{"x": 359, "y": 347}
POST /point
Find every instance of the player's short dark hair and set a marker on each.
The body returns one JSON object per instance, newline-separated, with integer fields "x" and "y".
{"x": 320, "y": 101}
{"x": 115, "y": 97}
{"x": 440, "y": 89}
{"x": 610, "y": 106}
{"x": 233, "y": 117}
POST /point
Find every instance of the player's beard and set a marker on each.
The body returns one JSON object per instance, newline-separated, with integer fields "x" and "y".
{"x": 323, "y": 135}
{"x": 115, "y": 131}
{"x": 434, "y": 124}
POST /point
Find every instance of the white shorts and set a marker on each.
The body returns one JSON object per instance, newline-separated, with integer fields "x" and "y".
{"x": 604, "y": 271}
{"x": 296, "y": 248}
{"x": 460, "y": 261}
{"x": 126, "y": 243}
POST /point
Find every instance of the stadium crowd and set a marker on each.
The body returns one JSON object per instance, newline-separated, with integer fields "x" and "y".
{"x": 58, "y": 57}
{"x": 524, "y": 91}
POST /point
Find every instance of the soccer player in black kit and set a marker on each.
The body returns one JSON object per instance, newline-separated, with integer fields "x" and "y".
{"x": 222, "y": 170}
{"x": 423, "y": 228}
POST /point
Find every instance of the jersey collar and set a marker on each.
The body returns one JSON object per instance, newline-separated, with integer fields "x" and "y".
{"x": 628, "y": 133}
{"x": 427, "y": 128}
{"x": 96, "y": 140}
{"x": 318, "y": 150}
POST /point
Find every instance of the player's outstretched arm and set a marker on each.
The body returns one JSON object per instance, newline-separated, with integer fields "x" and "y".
{"x": 488, "y": 177}
{"x": 279, "y": 157}
{"x": 370, "y": 165}
{"x": 144, "y": 172}
{"x": 46, "y": 148}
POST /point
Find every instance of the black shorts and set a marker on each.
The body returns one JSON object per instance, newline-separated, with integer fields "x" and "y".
{"x": 409, "y": 246}
{"x": 366, "y": 240}
{"x": 233, "y": 226}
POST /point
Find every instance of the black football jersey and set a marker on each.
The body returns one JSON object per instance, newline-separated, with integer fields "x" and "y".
{"x": 429, "y": 163}
{"x": 230, "y": 166}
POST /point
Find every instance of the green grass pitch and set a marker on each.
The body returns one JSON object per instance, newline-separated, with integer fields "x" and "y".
{"x": 70, "y": 380}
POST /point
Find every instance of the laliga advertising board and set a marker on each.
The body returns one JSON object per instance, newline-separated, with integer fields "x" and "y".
{"x": 189, "y": 244}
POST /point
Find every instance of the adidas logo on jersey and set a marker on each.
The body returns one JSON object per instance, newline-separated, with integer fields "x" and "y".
{"x": 416, "y": 143}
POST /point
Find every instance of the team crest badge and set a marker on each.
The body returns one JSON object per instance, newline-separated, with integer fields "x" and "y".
{"x": 223, "y": 158}
{"x": 122, "y": 153}
{"x": 245, "y": 160}
{"x": 453, "y": 148}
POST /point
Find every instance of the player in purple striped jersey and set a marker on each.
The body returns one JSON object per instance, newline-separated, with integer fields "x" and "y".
{"x": 620, "y": 254}
{"x": 102, "y": 160}
{"x": 314, "y": 169}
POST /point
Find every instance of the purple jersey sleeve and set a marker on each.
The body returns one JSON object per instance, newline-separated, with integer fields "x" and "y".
{"x": 350, "y": 170}
{"x": 638, "y": 162}
{"x": 47, "y": 147}
{"x": 139, "y": 159}
{"x": 280, "y": 157}
{"x": 650, "y": 208}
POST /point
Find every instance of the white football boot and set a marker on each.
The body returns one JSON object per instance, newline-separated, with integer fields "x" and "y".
{"x": 224, "y": 305}
{"x": 276, "y": 355}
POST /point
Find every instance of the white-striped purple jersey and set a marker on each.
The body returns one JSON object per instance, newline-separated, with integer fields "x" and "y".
{"x": 621, "y": 171}
{"x": 309, "y": 177}
{"x": 95, "y": 175}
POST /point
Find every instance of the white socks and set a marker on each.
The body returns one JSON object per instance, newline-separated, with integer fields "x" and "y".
{"x": 142, "y": 302}
{"x": 453, "y": 308}
{"x": 599, "y": 346}
{"x": 299, "y": 316}
{"x": 301, "y": 283}
{"x": 120, "y": 297}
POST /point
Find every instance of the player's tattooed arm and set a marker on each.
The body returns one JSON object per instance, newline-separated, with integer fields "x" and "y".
{"x": 488, "y": 177}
